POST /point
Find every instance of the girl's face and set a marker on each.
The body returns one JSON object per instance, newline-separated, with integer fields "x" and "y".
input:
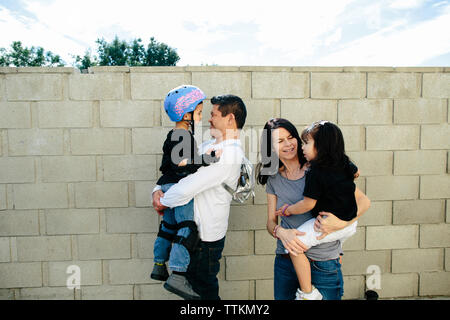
{"x": 198, "y": 113}
{"x": 284, "y": 144}
{"x": 309, "y": 149}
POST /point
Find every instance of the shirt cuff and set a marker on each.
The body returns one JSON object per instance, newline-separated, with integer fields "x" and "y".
{"x": 158, "y": 187}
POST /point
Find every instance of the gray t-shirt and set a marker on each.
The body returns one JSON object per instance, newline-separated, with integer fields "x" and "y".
{"x": 290, "y": 192}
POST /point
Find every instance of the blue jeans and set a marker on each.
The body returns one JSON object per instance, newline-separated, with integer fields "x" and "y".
{"x": 326, "y": 276}
{"x": 204, "y": 267}
{"x": 163, "y": 249}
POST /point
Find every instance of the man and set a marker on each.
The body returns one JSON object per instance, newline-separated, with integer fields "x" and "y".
{"x": 211, "y": 200}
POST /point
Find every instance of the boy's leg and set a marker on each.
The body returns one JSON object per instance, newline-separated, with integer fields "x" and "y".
{"x": 303, "y": 270}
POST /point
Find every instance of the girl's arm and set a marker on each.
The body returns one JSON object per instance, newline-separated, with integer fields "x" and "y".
{"x": 287, "y": 236}
{"x": 300, "y": 207}
{"x": 327, "y": 222}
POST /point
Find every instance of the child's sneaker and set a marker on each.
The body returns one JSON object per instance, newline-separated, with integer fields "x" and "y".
{"x": 313, "y": 295}
{"x": 180, "y": 286}
{"x": 160, "y": 272}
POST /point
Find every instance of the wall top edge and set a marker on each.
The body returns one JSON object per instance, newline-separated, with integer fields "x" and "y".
{"x": 156, "y": 69}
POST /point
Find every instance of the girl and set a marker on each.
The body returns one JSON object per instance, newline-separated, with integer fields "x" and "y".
{"x": 329, "y": 187}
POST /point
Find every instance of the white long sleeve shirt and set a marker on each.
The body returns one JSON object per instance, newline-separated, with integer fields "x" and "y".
{"x": 211, "y": 200}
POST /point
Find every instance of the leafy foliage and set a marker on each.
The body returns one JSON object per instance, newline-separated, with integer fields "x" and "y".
{"x": 20, "y": 56}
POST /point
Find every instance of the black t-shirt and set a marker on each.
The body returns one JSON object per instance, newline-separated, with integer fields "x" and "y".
{"x": 186, "y": 148}
{"x": 334, "y": 190}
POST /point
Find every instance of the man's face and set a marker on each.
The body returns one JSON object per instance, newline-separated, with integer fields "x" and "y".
{"x": 218, "y": 123}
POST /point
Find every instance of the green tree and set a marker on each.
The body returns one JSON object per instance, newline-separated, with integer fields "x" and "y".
{"x": 83, "y": 63}
{"x": 19, "y": 56}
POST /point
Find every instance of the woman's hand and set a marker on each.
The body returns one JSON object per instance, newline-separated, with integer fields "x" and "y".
{"x": 326, "y": 222}
{"x": 290, "y": 241}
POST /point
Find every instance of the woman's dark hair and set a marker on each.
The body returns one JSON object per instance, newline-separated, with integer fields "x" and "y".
{"x": 270, "y": 163}
{"x": 329, "y": 143}
{"x": 231, "y": 104}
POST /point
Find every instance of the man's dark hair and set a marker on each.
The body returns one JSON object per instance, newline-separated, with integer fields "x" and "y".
{"x": 231, "y": 104}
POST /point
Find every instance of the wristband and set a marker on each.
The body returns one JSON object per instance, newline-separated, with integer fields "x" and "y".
{"x": 284, "y": 210}
{"x": 275, "y": 231}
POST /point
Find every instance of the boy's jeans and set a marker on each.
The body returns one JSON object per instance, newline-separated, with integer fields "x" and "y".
{"x": 178, "y": 256}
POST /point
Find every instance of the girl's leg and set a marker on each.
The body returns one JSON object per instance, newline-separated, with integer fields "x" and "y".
{"x": 303, "y": 270}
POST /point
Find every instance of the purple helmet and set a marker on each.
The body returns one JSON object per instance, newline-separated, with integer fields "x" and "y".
{"x": 181, "y": 100}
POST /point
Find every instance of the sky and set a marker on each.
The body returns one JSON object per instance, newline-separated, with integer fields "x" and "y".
{"x": 242, "y": 32}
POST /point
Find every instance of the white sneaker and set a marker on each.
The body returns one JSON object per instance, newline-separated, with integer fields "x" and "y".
{"x": 313, "y": 295}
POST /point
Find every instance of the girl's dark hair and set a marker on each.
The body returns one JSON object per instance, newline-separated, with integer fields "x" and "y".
{"x": 329, "y": 143}
{"x": 270, "y": 163}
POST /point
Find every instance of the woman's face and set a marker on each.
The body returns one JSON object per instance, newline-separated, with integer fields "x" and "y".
{"x": 284, "y": 144}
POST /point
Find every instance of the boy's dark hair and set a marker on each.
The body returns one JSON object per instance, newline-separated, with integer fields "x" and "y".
{"x": 266, "y": 167}
{"x": 329, "y": 143}
{"x": 231, "y": 104}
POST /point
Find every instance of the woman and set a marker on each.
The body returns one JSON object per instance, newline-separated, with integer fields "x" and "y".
{"x": 282, "y": 170}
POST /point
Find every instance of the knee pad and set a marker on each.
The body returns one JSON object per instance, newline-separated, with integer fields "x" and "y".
{"x": 191, "y": 241}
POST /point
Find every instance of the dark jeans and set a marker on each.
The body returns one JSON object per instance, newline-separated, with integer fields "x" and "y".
{"x": 326, "y": 276}
{"x": 204, "y": 267}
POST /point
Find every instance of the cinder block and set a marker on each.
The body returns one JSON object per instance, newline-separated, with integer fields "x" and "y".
{"x": 239, "y": 243}
{"x": 435, "y": 187}
{"x": 145, "y": 243}
{"x": 20, "y": 275}
{"x": 26, "y": 142}
{"x": 365, "y": 111}
{"x": 264, "y": 242}
{"x": 402, "y": 137}
{"x": 447, "y": 259}
{"x": 392, "y": 237}
{"x": 435, "y": 136}
{"x": 417, "y": 260}
{"x": 104, "y": 246}
{"x": 146, "y": 86}
{"x": 65, "y": 114}
{"x": 130, "y": 271}
{"x": 357, "y": 241}
{"x": 434, "y": 284}
{"x": 51, "y": 248}
{"x": 357, "y": 262}
{"x": 354, "y": 137}
{"x": 247, "y": 218}
{"x": 392, "y": 187}
{"x": 68, "y": 169}
{"x": 260, "y": 111}
{"x": 107, "y": 292}
{"x": 131, "y": 220}
{"x": 257, "y": 267}
{"x": 379, "y": 213}
{"x": 338, "y": 85}
{"x": 353, "y": 287}
{"x": 373, "y": 163}
{"x": 19, "y": 223}
{"x": 305, "y": 112}
{"x": 420, "y": 162}
{"x": 72, "y": 221}
{"x": 436, "y": 85}
{"x": 127, "y": 113}
{"x": 398, "y": 285}
{"x": 97, "y": 141}
{"x": 90, "y": 272}
{"x": 156, "y": 292}
{"x": 3, "y": 204}
{"x": 393, "y": 85}
{"x": 5, "y": 252}
{"x": 15, "y": 115}
{"x": 264, "y": 289}
{"x": 280, "y": 85}
{"x": 46, "y": 293}
{"x": 126, "y": 168}
{"x": 28, "y": 87}
{"x": 16, "y": 170}
{"x": 414, "y": 111}
{"x": 41, "y": 196}
{"x": 2, "y": 87}
{"x": 237, "y": 290}
{"x": 142, "y": 137}
{"x": 418, "y": 211}
{"x": 101, "y": 194}
{"x": 218, "y": 83}
{"x": 102, "y": 86}
{"x": 434, "y": 235}
{"x": 143, "y": 192}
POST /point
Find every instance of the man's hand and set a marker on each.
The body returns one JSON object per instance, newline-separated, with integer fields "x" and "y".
{"x": 157, "y": 203}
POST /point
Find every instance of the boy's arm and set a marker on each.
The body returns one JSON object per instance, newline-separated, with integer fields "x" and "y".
{"x": 300, "y": 207}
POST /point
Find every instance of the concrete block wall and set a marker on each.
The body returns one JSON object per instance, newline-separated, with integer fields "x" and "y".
{"x": 79, "y": 156}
